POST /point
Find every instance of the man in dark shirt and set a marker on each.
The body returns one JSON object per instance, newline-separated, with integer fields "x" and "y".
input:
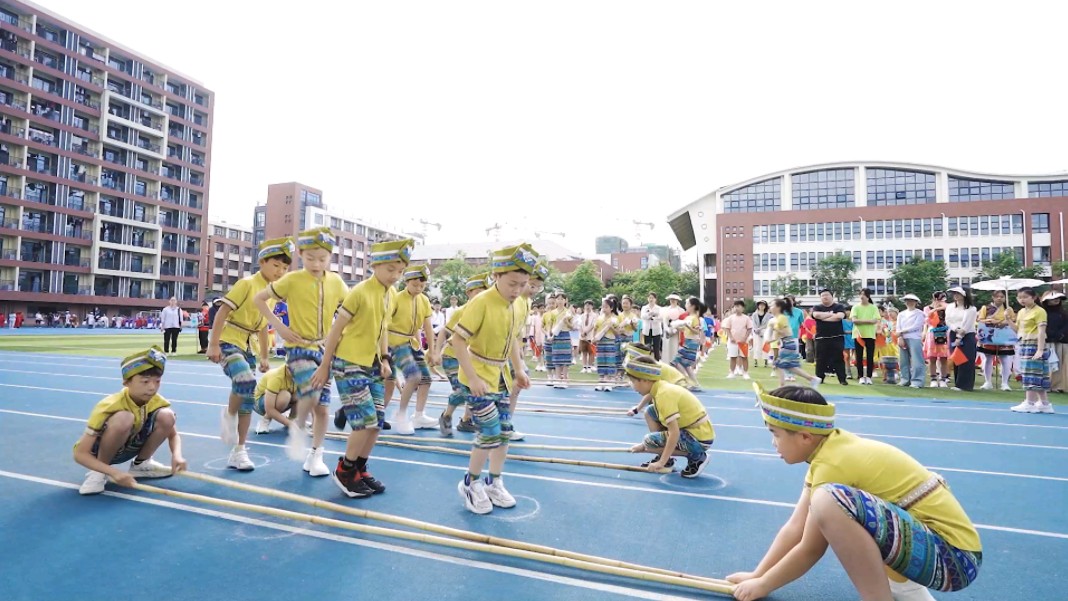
{"x": 830, "y": 337}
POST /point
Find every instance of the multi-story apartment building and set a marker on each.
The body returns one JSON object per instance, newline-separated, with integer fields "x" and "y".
{"x": 104, "y": 171}
{"x": 881, "y": 214}
{"x": 292, "y": 207}
{"x": 233, "y": 256}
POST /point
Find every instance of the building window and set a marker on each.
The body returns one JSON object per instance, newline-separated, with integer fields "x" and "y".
{"x": 1040, "y": 223}
{"x": 318, "y": 219}
{"x": 261, "y": 218}
{"x": 899, "y": 187}
{"x": 966, "y": 190}
{"x": 826, "y": 189}
{"x": 1047, "y": 189}
{"x": 755, "y": 198}
{"x": 1040, "y": 255}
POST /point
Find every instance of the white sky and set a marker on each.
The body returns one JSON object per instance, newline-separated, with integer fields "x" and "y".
{"x": 581, "y": 117}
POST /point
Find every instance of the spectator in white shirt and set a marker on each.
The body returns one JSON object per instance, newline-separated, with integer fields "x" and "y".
{"x": 652, "y": 325}
{"x": 960, "y": 317}
{"x": 910, "y": 323}
{"x": 171, "y": 324}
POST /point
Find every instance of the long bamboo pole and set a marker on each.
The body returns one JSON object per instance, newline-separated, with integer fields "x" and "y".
{"x": 715, "y": 587}
{"x": 467, "y": 442}
{"x": 437, "y": 528}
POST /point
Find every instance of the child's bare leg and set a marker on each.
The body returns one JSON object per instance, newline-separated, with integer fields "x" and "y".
{"x": 118, "y": 430}
{"x": 163, "y": 429}
{"x": 321, "y": 414}
{"x": 422, "y": 394}
{"x": 855, "y": 548}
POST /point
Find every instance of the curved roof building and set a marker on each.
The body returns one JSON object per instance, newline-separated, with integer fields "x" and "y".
{"x": 752, "y": 232}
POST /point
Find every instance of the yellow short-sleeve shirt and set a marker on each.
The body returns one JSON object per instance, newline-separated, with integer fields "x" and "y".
{"x": 676, "y": 403}
{"x": 669, "y": 374}
{"x": 367, "y": 305}
{"x": 889, "y": 473}
{"x": 121, "y": 401}
{"x": 450, "y": 327}
{"x": 406, "y": 317}
{"x": 600, "y": 322}
{"x": 628, "y": 321}
{"x": 488, "y": 327}
{"x": 312, "y": 303}
{"x": 275, "y": 381}
{"x": 244, "y": 318}
{"x": 548, "y": 320}
{"x": 1028, "y": 320}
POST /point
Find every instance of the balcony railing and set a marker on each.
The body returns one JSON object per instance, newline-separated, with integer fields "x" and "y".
{"x": 86, "y": 101}
{"x": 46, "y": 139}
{"x": 40, "y": 228}
{"x": 197, "y": 160}
{"x": 13, "y": 160}
{"x": 9, "y": 254}
{"x": 77, "y": 262}
{"x": 166, "y": 270}
{"x": 196, "y": 181}
{"x": 11, "y": 191}
{"x": 149, "y": 146}
{"x": 7, "y": 285}
{"x": 88, "y": 150}
{"x": 11, "y": 224}
{"x": 44, "y": 199}
{"x": 157, "y": 104}
{"x": 112, "y": 184}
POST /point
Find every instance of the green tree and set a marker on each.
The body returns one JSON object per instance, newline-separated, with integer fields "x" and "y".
{"x": 624, "y": 282}
{"x": 584, "y": 284}
{"x": 660, "y": 279}
{"x": 788, "y": 284}
{"x": 920, "y": 277}
{"x": 835, "y": 273}
{"x": 689, "y": 281}
{"x": 1059, "y": 269}
{"x": 451, "y": 277}
{"x": 1006, "y": 264}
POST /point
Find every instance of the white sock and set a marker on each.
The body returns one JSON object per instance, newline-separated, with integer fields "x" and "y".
{"x": 909, "y": 591}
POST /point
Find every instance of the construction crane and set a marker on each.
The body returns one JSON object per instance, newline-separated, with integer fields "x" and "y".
{"x": 538, "y": 235}
{"x": 496, "y": 229}
{"x": 638, "y": 229}
{"x": 426, "y": 223}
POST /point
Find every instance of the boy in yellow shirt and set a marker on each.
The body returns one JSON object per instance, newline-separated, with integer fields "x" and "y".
{"x": 357, "y": 353}
{"x": 312, "y": 295}
{"x": 523, "y": 306}
{"x": 231, "y": 345}
{"x": 411, "y": 312}
{"x": 274, "y": 397}
{"x": 671, "y": 407}
{"x": 474, "y": 286}
{"x": 484, "y": 341}
{"x": 130, "y": 424}
{"x": 895, "y": 526}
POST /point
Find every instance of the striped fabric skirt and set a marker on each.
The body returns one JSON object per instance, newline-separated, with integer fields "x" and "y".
{"x": 1035, "y": 371}
{"x": 607, "y": 356}
{"x": 788, "y": 356}
{"x": 908, "y": 546}
{"x": 687, "y": 355}
{"x": 560, "y": 351}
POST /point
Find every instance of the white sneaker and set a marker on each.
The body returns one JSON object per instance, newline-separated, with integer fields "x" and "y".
{"x": 1043, "y": 408}
{"x": 314, "y": 464}
{"x": 421, "y": 422}
{"x": 150, "y": 468}
{"x": 934, "y": 384}
{"x": 1025, "y": 407}
{"x": 475, "y": 498}
{"x": 745, "y": 376}
{"x": 815, "y": 382}
{"x": 516, "y": 436}
{"x": 264, "y": 425}
{"x": 239, "y": 459}
{"x": 94, "y": 483}
{"x": 228, "y": 428}
{"x": 403, "y": 426}
{"x": 1005, "y": 387}
{"x": 943, "y": 384}
{"x": 731, "y": 376}
{"x": 498, "y": 495}
{"x": 909, "y": 591}
{"x": 296, "y": 442}
{"x": 986, "y": 386}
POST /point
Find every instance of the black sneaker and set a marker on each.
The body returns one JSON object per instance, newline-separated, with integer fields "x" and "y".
{"x": 386, "y": 426}
{"x": 340, "y": 420}
{"x": 349, "y": 481}
{"x": 670, "y": 462}
{"x": 467, "y": 425}
{"x": 375, "y": 486}
{"x": 693, "y": 468}
{"x": 445, "y": 424}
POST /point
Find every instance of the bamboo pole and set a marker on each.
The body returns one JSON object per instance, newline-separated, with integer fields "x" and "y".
{"x": 522, "y": 408}
{"x": 540, "y": 447}
{"x": 439, "y": 529}
{"x": 531, "y": 458}
{"x": 716, "y": 587}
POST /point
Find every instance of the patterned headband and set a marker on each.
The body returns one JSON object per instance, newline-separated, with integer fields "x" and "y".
{"x": 793, "y": 415}
{"x": 143, "y": 361}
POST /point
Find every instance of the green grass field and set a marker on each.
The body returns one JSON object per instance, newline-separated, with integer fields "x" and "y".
{"x": 712, "y": 375}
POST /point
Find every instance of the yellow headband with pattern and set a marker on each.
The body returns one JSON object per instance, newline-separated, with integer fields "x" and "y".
{"x": 276, "y": 248}
{"x": 477, "y": 281}
{"x": 320, "y": 237}
{"x": 643, "y": 371}
{"x": 793, "y": 415}
{"x": 514, "y": 258}
{"x": 633, "y": 352}
{"x": 143, "y": 361}
{"x": 415, "y": 272}
{"x": 394, "y": 250}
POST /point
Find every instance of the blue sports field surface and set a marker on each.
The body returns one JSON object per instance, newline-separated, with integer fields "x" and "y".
{"x": 1009, "y": 471}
